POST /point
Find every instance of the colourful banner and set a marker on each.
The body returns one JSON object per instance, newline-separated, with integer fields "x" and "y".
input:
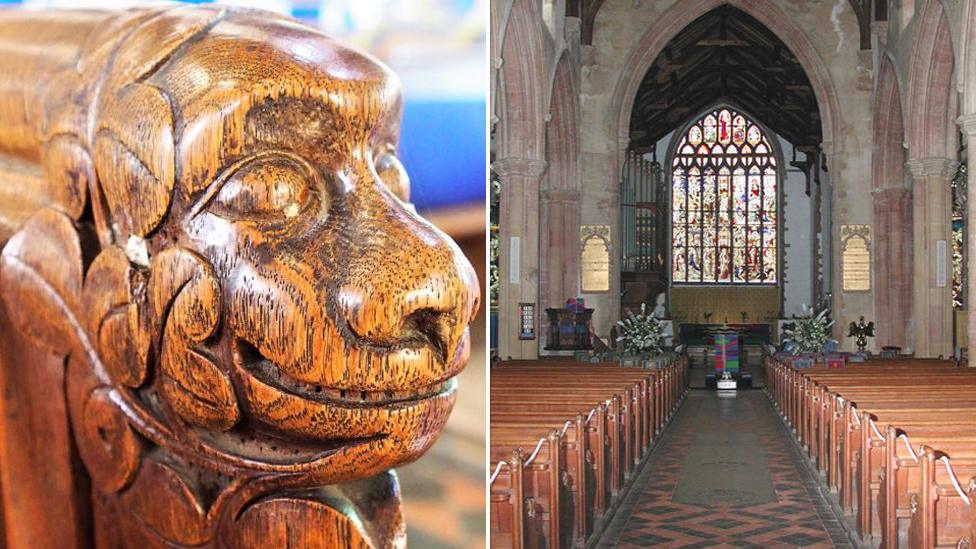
{"x": 727, "y": 353}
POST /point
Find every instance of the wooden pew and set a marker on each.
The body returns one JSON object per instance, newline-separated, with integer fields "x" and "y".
{"x": 584, "y": 488}
{"x": 895, "y": 438}
{"x": 585, "y": 475}
{"x": 943, "y": 514}
{"x": 556, "y": 490}
{"x": 904, "y": 482}
{"x": 874, "y": 469}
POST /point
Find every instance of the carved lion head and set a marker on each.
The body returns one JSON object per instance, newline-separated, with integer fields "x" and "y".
{"x": 262, "y": 292}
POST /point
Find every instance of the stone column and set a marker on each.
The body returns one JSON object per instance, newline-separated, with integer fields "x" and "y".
{"x": 882, "y": 263}
{"x": 931, "y": 223}
{"x": 901, "y": 283}
{"x": 560, "y": 247}
{"x": 893, "y": 269}
{"x": 611, "y": 205}
{"x": 968, "y": 125}
{"x": 519, "y": 219}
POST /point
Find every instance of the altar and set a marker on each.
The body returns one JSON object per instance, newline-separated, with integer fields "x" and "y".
{"x": 703, "y": 334}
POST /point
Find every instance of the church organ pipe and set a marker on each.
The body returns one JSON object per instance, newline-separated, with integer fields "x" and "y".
{"x": 641, "y": 218}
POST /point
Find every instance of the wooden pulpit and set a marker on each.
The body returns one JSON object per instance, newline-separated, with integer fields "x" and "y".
{"x": 221, "y": 325}
{"x": 569, "y": 330}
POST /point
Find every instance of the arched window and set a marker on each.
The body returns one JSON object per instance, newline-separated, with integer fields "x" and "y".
{"x": 723, "y": 203}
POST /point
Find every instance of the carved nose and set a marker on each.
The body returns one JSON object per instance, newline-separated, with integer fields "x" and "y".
{"x": 423, "y": 293}
{"x": 429, "y": 327}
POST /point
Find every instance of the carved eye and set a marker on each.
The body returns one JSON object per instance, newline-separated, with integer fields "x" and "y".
{"x": 270, "y": 189}
{"x": 391, "y": 172}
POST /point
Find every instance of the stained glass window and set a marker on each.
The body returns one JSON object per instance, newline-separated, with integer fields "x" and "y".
{"x": 724, "y": 203}
{"x": 959, "y": 196}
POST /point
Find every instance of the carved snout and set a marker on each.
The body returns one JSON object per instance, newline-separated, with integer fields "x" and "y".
{"x": 415, "y": 291}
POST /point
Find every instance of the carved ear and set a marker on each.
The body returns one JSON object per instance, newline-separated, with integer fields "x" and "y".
{"x": 134, "y": 159}
{"x": 185, "y": 300}
{"x": 116, "y": 324}
{"x": 40, "y": 278}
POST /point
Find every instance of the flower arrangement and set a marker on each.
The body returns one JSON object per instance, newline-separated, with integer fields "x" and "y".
{"x": 641, "y": 333}
{"x": 810, "y": 333}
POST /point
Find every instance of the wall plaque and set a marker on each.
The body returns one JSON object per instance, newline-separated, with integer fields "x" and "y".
{"x": 514, "y": 257}
{"x": 595, "y": 258}
{"x": 856, "y": 256}
{"x": 940, "y": 263}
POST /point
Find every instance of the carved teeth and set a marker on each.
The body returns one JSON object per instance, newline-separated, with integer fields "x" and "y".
{"x": 247, "y": 356}
{"x": 354, "y": 396}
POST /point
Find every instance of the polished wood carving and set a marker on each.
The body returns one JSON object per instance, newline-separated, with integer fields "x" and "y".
{"x": 221, "y": 326}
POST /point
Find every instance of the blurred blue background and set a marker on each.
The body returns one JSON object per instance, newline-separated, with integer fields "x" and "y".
{"x": 438, "y": 49}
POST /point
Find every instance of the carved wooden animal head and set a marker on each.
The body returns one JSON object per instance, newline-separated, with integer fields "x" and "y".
{"x": 260, "y": 293}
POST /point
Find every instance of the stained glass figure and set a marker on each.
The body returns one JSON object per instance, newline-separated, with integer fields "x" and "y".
{"x": 739, "y": 130}
{"x": 959, "y": 221}
{"x": 724, "y": 200}
{"x": 709, "y": 129}
{"x": 755, "y": 135}
{"x": 724, "y": 126}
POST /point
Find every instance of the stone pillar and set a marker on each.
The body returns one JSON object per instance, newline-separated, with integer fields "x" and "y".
{"x": 901, "y": 283}
{"x": 838, "y": 215}
{"x": 968, "y": 125}
{"x": 931, "y": 223}
{"x": 882, "y": 263}
{"x": 519, "y": 219}
{"x": 559, "y": 231}
{"x": 893, "y": 269}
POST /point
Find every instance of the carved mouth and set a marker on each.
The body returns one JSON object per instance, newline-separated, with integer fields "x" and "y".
{"x": 251, "y": 360}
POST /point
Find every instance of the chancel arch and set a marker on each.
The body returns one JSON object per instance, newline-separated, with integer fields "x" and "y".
{"x": 681, "y": 15}
{"x": 804, "y": 109}
{"x": 708, "y": 129}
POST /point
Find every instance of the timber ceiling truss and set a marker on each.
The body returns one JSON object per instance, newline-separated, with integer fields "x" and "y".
{"x": 726, "y": 56}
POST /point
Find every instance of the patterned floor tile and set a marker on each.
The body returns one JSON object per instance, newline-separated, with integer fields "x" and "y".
{"x": 651, "y": 518}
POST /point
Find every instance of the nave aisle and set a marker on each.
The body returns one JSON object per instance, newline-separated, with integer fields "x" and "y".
{"x": 725, "y": 474}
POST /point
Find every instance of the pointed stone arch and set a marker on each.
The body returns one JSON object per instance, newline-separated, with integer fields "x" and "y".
{"x": 932, "y": 99}
{"x": 522, "y": 119}
{"x": 679, "y": 16}
{"x": 656, "y": 36}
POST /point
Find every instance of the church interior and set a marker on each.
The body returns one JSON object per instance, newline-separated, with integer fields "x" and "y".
{"x": 729, "y": 273}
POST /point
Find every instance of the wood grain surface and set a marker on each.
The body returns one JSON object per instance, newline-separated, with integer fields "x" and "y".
{"x": 222, "y": 324}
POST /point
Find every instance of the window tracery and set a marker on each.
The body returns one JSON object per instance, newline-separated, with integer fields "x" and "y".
{"x": 724, "y": 203}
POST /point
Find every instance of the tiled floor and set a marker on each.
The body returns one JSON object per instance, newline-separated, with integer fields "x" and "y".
{"x": 684, "y": 498}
